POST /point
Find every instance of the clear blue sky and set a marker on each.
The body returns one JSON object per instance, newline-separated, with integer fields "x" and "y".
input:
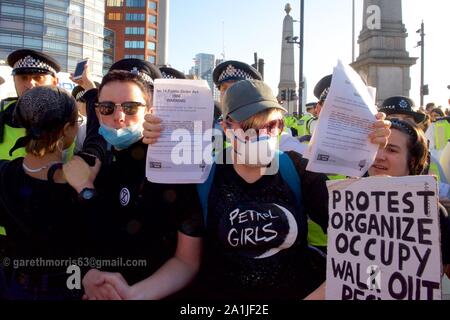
{"x": 255, "y": 26}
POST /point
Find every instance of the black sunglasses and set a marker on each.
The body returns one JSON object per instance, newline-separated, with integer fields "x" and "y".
{"x": 130, "y": 108}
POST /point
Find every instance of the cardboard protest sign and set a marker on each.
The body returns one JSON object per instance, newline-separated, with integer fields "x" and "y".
{"x": 384, "y": 239}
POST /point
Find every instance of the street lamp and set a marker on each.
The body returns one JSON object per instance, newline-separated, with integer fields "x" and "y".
{"x": 296, "y": 40}
{"x": 299, "y": 41}
{"x": 421, "y": 44}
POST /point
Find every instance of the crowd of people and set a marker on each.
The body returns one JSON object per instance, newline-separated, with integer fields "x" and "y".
{"x": 73, "y": 184}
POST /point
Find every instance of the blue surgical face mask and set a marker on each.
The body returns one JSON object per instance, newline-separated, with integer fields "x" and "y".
{"x": 121, "y": 138}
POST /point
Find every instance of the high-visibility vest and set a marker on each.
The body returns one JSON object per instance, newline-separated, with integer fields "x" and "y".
{"x": 441, "y": 133}
{"x": 316, "y": 237}
{"x": 303, "y": 124}
{"x": 291, "y": 122}
{"x": 10, "y": 136}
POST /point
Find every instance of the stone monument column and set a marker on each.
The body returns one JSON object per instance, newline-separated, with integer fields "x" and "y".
{"x": 383, "y": 61}
{"x": 287, "y": 88}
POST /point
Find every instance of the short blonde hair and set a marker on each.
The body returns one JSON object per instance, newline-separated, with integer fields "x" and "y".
{"x": 259, "y": 119}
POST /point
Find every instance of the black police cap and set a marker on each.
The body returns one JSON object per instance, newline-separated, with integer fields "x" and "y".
{"x": 401, "y": 105}
{"x": 145, "y": 69}
{"x": 310, "y": 105}
{"x": 171, "y": 73}
{"x": 322, "y": 87}
{"x": 25, "y": 61}
{"x": 78, "y": 93}
{"x": 234, "y": 71}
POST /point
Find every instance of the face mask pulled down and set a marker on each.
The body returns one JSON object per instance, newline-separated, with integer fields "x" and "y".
{"x": 121, "y": 138}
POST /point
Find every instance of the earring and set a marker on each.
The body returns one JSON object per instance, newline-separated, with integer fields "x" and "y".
{"x": 60, "y": 148}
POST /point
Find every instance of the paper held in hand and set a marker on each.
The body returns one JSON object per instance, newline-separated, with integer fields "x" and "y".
{"x": 340, "y": 143}
{"x": 183, "y": 153}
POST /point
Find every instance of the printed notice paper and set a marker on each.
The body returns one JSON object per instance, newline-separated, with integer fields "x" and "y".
{"x": 183, "y": 153}
{"x": 340, "y": 143}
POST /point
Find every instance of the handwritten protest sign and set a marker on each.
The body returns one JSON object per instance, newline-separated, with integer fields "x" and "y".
{"x": 384, "y": 239}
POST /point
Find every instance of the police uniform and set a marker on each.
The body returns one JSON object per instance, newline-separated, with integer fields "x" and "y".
{"x": 321, "y": 91}
{"x": 171, "y": 73}
{"x": 234, "y": 71}
{"x": 23, "y": 62}
{"x": 441, "y": 132}
{"x": 304, "y": 123}
{"x": 401, "y": 105}
{"x": 231, "y": 71}
{"x": 316, "y": 236}
{"x": 78, "y": 93}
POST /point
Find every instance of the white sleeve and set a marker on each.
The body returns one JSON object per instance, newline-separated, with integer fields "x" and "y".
{"x": 429, "y": 134}
{"x": 289, "y": 143}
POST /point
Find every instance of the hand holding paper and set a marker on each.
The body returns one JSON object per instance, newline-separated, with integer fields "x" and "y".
{"x": 341, "y": 142}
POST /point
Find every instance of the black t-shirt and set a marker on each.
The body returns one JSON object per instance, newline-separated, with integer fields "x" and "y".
{"x": 138, "y": 219}
{"x": 42, "y": 219}
{"x": 256, "y": 235}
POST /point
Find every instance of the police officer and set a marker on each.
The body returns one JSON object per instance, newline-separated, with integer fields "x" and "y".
{"x": 303, "y": 124}
{"x": 316, "y": 236}
{"x": 171, "y": 73}
{"x": 30, "y": 69}
{"x": 441, "y": 132}
{"x": 229, "y": 72}
{"x": 320, "y": 92}
{"x": 401, "y": 107}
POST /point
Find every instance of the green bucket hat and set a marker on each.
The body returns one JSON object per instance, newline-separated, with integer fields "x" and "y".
{"x": 246, "y": 98}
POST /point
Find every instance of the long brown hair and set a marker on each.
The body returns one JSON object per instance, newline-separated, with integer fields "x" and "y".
{"x": 417, "y": 145}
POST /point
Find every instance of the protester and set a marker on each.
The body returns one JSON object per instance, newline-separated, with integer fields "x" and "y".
{"x": 272, "y": 260}
{"x": 138, "y": 220}
{"x": 406, "y": 154}
{"x": 43, "y": 215}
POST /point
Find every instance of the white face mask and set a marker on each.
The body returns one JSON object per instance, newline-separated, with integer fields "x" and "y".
{"x": 257, "y": 151}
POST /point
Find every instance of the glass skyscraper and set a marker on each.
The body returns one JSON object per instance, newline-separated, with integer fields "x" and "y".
{"x": 204, "y": 67}
{"x": 68, "y": 30}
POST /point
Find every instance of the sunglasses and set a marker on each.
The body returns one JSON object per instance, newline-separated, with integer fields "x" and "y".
{"x": 130, "y": 108}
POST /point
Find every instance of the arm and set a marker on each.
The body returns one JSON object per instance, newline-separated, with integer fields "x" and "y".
{"x": 318, "y": 294}
{"x": 174, "y": 275}
{"x": 314, "y": 192}
{"x": 94, "y": 143}
{"x": 79, "y": 175}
